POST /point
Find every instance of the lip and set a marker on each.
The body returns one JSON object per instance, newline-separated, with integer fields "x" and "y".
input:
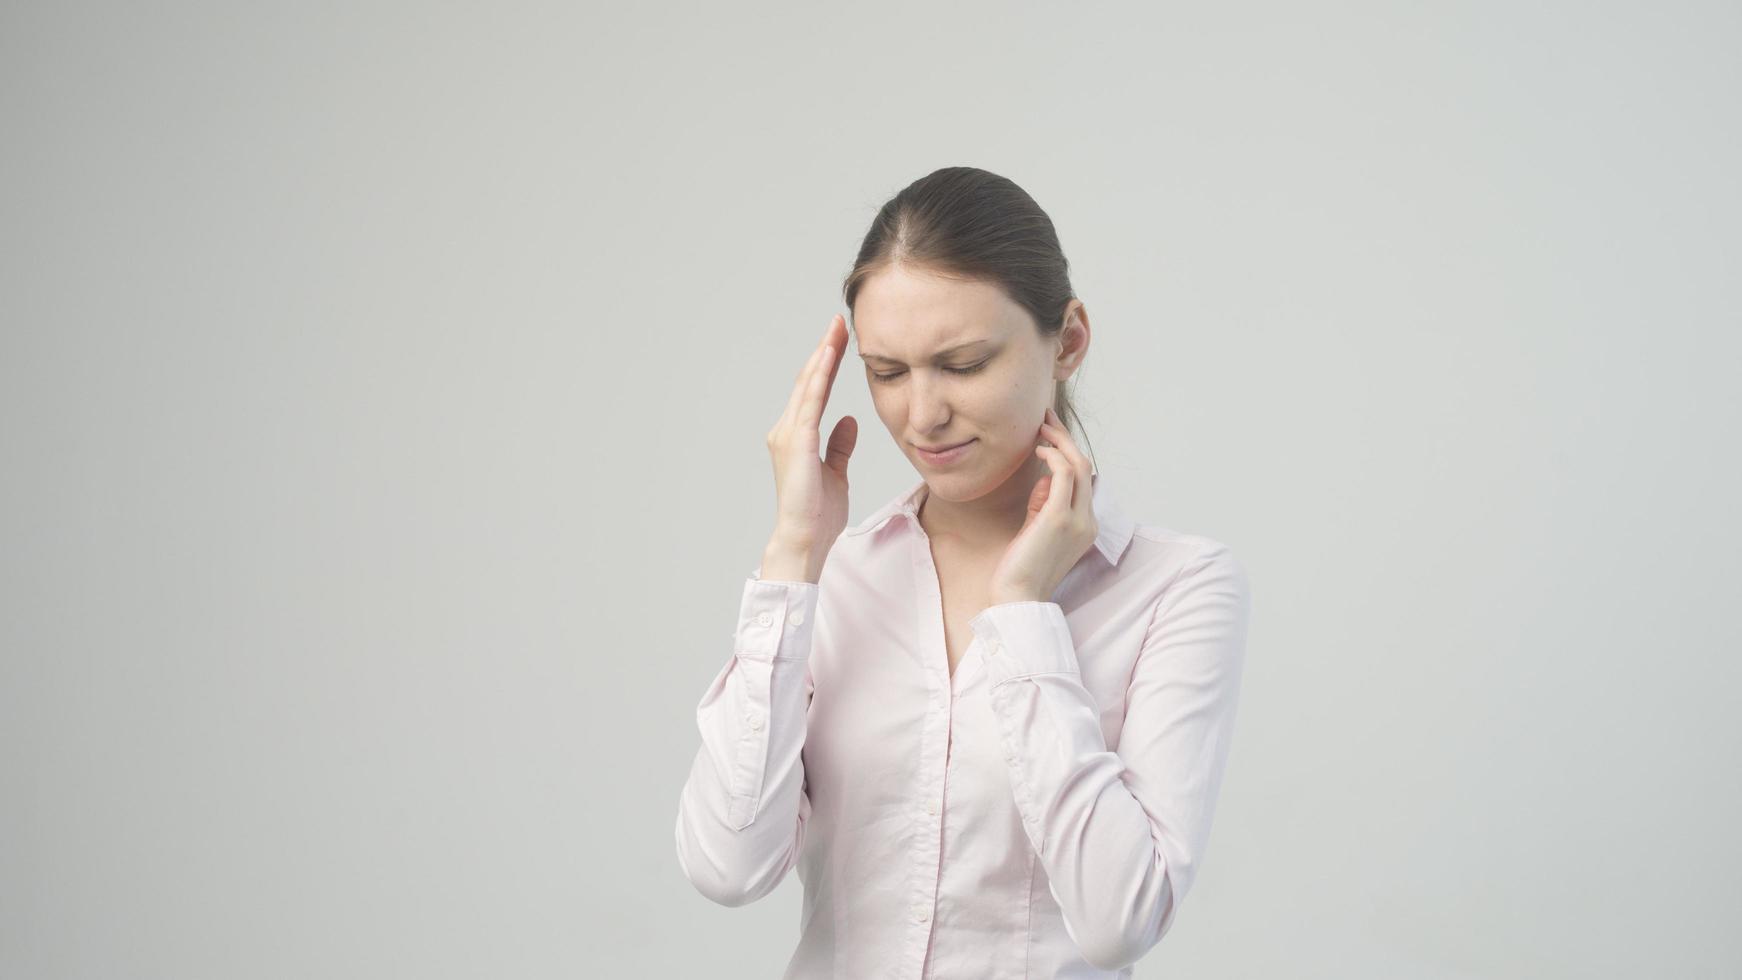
{"x": 947, "y": 456}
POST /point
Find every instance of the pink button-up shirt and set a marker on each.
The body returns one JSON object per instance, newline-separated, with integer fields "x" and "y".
{"x": 1039, "y": 814}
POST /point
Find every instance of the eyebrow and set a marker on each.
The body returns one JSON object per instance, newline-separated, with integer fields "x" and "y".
{"x": 940, "y": 355}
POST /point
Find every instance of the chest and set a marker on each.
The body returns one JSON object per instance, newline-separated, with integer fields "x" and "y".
{"x": 963, "y": 578}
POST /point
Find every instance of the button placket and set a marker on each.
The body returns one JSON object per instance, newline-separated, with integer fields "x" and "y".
{"x": 934, "y": 740}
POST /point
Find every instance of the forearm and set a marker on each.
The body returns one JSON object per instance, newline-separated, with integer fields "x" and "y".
{"x": 741, "y": 814}
{"x": 1093, "y": 837}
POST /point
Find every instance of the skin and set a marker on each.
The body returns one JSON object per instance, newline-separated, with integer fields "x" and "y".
{"x": 994, "y": 508}
{"x": 903, "y": 316}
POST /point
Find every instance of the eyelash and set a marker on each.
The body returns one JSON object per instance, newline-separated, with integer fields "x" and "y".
{"x": 897, "y": 374}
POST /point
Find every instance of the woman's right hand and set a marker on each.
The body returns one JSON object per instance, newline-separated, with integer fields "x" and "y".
{"x": 812, "y": 492}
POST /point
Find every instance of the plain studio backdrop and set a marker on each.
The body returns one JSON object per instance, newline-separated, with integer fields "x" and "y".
{"x": 382, "y": 401}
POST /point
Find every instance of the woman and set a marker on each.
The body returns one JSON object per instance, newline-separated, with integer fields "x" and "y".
{"x": 988, "y": 723}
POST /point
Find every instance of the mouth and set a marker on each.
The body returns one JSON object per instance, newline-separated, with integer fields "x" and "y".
{"x": 944, "y": 454}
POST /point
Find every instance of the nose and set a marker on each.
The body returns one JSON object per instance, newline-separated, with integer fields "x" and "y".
{"x": 926, "y": 408}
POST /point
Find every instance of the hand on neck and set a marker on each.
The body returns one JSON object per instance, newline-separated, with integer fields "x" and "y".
{"x": 990, "y": 520}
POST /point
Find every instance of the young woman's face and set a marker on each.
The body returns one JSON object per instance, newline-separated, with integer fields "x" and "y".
{"x": 950, "y": 362}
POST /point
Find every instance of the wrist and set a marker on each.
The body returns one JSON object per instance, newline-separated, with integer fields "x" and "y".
{"x": 785, "y": 564}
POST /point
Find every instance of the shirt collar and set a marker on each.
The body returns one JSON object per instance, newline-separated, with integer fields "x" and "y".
{"x": 1114, "y": 534}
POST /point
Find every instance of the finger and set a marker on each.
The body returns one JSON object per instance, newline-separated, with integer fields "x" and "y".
{"x": 1056, "y": 434}
{"x": 841, "y": 442}
{"x": 799, "y": 384}
{"x": 1059, "y": 436}
{"x": 840, "y": 349}
{"x": 1058, "y": 498}
{"x": 810, "y": 410}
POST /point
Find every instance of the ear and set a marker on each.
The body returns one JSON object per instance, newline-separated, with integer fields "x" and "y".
{"x": 1072, "y": 339}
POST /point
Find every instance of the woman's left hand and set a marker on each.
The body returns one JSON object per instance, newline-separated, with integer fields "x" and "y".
{"x": 1060, "y": 525}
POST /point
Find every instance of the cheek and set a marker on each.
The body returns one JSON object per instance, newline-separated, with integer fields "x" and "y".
{"x": 993, "y": 411}
{"x": 888, "y": 408}
{"x": 1015, "y": 404}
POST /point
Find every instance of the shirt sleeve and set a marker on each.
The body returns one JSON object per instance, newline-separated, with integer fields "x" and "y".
{"x": 742, "y": 811}
{"x": 1121, "y": 835}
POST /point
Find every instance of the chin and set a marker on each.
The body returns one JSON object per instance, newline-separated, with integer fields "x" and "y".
{"x": 962, "y": 484}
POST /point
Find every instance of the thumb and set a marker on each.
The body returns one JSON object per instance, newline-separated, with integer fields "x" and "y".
{"x": 841, "y": 441}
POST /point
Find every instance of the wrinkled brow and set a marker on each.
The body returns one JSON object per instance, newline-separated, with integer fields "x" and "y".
{"x": 940, "y": 355}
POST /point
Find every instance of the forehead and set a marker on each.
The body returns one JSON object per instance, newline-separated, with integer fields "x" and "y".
{"x": 908, "y": 314}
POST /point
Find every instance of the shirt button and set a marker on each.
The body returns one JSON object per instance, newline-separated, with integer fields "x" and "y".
{"x": 921, "y": 913}
{"x": 764, "y": 619}
{"x": 931, "y": 806}
{"x": 755, "y": 721}
{"x": 796, "y": 618}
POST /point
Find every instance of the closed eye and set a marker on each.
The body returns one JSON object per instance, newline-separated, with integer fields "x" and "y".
{"x": 963, "y": 370}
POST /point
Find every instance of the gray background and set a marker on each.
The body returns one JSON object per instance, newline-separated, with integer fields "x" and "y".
{"x": 382, "y": 401}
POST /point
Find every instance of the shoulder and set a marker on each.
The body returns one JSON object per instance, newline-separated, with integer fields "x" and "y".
{"x": 1176, "y": 564}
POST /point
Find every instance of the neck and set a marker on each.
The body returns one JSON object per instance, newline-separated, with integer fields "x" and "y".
{"x": 991, "y": 520}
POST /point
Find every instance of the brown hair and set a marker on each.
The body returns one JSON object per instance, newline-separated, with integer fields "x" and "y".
{"x": 973, "y": 224}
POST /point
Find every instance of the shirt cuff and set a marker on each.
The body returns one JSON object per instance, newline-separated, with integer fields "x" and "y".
{"x": 775, "y": 619}
{"x": 1023, "y": 638}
